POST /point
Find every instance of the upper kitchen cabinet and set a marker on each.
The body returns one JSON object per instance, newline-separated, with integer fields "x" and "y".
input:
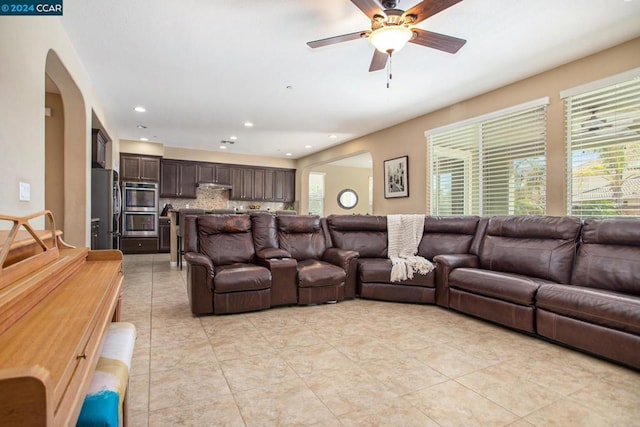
{"x": 178, "y": 179}
{"x": 214, "y": 173}
{"x": 134, "y": 167}
{"x": 262, "y": 184}
{"x": 242, "y": 183}
{"x": 284, "y": 185}
{"x": 98, "y": 149}
{"x": 259, "y": 176}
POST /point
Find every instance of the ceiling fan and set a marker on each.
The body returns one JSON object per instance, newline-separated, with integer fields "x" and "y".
{"x": 392, "y": 28}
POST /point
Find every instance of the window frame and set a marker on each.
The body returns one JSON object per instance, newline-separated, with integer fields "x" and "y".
{"x": 479, "y": 141}
{"x": 595, "y": 145}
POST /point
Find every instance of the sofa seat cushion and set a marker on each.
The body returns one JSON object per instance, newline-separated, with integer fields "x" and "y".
{"x": 241, "y": 277}
{"x": 601, "y": 307}
{"x": 503, "y": 286}
{"x": 378, "y": 270}
{"x": 316, "y": 273}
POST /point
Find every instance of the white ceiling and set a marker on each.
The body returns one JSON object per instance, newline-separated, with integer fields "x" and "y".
{"x": 204, "y": 67}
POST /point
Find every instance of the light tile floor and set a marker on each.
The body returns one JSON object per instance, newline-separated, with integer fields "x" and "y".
{"x": 353, "y": 363}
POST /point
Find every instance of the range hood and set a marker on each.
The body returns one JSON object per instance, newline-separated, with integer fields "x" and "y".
{"x": 214, "y": 185}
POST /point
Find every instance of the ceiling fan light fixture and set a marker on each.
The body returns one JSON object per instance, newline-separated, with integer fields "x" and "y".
{"x": 391, "y": 38}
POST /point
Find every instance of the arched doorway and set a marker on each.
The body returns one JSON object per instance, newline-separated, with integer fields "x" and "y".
{"x": 66, "y": 153}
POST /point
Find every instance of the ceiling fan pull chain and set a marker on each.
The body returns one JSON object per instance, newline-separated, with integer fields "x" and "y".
{"x": 389, "y": 75}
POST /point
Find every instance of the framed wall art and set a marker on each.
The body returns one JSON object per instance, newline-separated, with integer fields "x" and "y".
{"x": 396, "y": 177}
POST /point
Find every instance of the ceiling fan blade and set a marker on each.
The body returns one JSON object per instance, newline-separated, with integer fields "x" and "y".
{"x": 429, "y": 8}
{"x": 369, "y": 7}
{"x": 378, "y": 61}
{"x": 337, "y": 39}
{"x": 437, "y": 41}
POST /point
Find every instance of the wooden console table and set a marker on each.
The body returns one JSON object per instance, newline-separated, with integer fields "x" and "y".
{"x": 56, "y": 303}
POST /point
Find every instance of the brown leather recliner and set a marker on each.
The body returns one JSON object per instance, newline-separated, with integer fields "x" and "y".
{"x": 322, "y": 270}
{"x": 517, "y": 255}
{"x": 222, "y": 276}
{"x": 599, "y": 311}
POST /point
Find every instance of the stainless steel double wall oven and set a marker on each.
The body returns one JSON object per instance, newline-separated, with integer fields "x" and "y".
{"x": 140, "y": 209}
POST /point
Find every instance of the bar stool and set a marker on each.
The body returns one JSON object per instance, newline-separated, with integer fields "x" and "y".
{"x": 180, "y": 230}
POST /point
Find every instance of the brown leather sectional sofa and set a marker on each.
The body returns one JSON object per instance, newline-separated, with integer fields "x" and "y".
{"x": 572, "y": 282}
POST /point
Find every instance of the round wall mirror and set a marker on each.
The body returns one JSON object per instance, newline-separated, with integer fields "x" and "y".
{"x": 347, "y": 199}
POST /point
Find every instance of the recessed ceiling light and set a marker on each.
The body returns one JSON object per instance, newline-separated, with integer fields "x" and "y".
{"x": 288, "y": 154}
{"x": 141, "y": 127}
{"x": 223, "y": 147}
{"x": 140, "y": 109}
{"x": 332, "y": 136}
{"x": 307, "y": 146}
{"x": 233, "y": 137}
{"x": 248, "y": 124}
{"x": 144, "y": 139}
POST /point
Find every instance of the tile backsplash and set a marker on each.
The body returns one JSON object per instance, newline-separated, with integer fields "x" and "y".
{"x": 217, "y": 198}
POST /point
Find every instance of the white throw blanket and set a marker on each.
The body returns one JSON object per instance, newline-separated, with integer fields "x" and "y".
{"x": 404, "y": 233}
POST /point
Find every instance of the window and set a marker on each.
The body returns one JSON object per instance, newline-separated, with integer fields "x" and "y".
{"x": 316, "y": 193}
{"x": 490, "y": 165}
{"x": 603, "y": 148}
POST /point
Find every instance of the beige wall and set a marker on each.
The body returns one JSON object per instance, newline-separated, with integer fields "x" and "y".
{"x": 338, "y": 178}
{"x": 408, "y": 138}
{"x": 54, "y": 155}
{"x": 29, "y": 48}
{"x": 158, "y": 149}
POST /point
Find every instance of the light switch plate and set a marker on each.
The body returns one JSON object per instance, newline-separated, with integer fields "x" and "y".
{"x": 25, "y": 192}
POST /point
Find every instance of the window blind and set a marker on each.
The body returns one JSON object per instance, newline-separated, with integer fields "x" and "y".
{"x": 316, "y": 193}
{"x": 603, "y": 145}
{"x": 495, "y": 166}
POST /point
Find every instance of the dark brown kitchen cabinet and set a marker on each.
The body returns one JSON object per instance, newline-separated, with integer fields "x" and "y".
{"x": 289, "y": 186}
{"x": 242, "y": 183}
{"x": 139, "y": 245}
{"x": 269, "y": 184}
{"x": 98, "y": 149}
{"x": 223, "y": 174}
{"x": 214, "y": 173}
{"x": 178, "y": 179}
{"x": 258, "y": 184}
{"x": 206, "y": 172}
{"x": 284, "y": 185}
{"x": 262, "y": 184}
{"x": 164, "y": 234}
{"x": 139, "y": 168}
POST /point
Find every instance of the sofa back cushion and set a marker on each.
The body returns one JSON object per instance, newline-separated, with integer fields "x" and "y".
{"x": 301, "y": 236}
{"x": 226, "y": 239}
{"x": 447, "y": 235}
{"x": 609, "y": 255}
{"x": 365, "y": 234}
{"x": 538, "y": 246}
{"x": 265, "y": 231}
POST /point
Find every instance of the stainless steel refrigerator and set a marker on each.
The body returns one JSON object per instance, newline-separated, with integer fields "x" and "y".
{"x": 106, "y": 203}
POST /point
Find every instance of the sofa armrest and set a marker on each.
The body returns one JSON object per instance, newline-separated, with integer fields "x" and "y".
{"x": 348, "y": 260}
{"x": 196, "y": 258}
{"x": 284, "y": 279}
{"x": 268, "y": 253}
{"x": 200, "y": 275}
{"x": 444, "y": 265}
{"x": 339, "y": 257}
